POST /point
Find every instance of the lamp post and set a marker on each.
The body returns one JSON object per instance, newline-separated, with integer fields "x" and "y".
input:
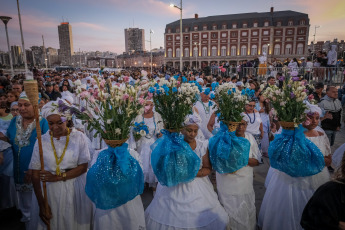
{"x": 21, "y": 34}
{"x": 181, "y": 40}
{"x": 312, "y": 58}
{"x": 5, "y": 20}
{"x": 196, "y": 54}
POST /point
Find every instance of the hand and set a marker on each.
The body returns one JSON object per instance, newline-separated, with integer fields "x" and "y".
{"x": 45, "y": 215}
{"x": 338, "y": 128}
{"x": 273, "y": 128}
{"x": 28, "y": 176}
{"x": 1, "y": 158}
{"x": 328, "y": 116}
{"x": 328, "y": 160}
{"x": 46, "y": 176}
{"x": 261, "y": 135}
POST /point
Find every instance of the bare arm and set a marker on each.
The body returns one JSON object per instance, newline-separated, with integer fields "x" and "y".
{"x": 252, "y": 162}
{"x": 206, "y": 166}
{"x": 211, "y": 122}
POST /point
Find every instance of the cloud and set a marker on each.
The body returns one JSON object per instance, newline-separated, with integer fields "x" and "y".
{"x": 93, "y": 26}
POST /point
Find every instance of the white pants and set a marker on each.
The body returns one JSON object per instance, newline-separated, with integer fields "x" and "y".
{"x": 24, "y": 205}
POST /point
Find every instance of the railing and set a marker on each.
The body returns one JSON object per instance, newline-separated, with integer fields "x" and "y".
{"x": 327, "y": 75}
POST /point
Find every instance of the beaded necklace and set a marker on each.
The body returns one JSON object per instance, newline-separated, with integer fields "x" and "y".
{"x": 59, "y": 160}
{"x": 148, "y": 136}
{"x": 207, "y": 109}
{"x": 250, "y": 119}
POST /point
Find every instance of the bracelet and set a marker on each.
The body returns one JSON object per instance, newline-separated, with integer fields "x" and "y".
{"x": 64, "y": 175}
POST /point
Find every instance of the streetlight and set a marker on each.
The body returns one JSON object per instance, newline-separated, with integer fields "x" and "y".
{"x": 181, "y": 40}
{"x": 21, "y": 33}
{"x": 196, "y": 54}
{"x": 5, "y": 20}
{"x": 316, "y": 27}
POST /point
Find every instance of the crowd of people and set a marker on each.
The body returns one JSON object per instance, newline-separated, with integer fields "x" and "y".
{"x": 227, "y": 201}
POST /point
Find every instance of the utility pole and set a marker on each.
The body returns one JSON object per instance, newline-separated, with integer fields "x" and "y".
{"x": 44, "y": 53}
{"x": 21, "y": 34}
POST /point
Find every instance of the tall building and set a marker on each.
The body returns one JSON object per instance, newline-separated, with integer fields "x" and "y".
{"x": 66, "y": 43}
{"x": 134, "y": 40}
{"x": 236, "y": 37}
{"x": 16, "y": 53}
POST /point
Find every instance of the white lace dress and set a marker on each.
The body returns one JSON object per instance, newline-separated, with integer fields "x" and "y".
{"x": 71, "y": 208}
{"x": 236, "y": 192}
{"x": 286, "y": 196}
{"x": 129, "y": 216}
{"x": 191, "y": 206}
{"x": 205, "y": 111}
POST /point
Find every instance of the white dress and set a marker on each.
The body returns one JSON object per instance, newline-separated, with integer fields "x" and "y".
{"x": 205, "y": 111}
{"x": 70, "y": 206}
{"x": 338, "y": 156}
{"x": 236, "y": 192}
{"x": 191, "y": 206}
{"x": 129, "y": 216}
{"x": 265, "y": 118}
{"x": 286, "y": 196}
{"x": 144, "y": 144}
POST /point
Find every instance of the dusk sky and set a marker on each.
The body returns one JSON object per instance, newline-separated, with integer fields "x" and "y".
{"x": 99, "y": 24}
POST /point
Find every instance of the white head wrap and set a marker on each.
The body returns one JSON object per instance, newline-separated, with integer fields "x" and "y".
{"x": 192, "y": 119}
{"x": 200, "y": 80}
{"x": 312, "y": 109}
{"x": 68, "y": 98}
{"x": 50, "y": 108}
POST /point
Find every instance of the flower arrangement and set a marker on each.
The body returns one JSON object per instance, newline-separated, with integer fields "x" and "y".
{"x": 288, "y": 101}
{"x": 231, "y": 102}
{"x": 110, "y": 112}
{"x": 140, "y": 130}
{"x": 173, "y": 101}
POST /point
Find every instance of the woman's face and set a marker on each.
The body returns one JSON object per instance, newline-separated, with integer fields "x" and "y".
{"x": 64, "y": 88}
{"x": 56, "y": 125}
{"x": 14, "y": 110}
{"x": 261, "y": 98}
{"x": 250, "y": 107}
{"x": 65, "y": 83}
{"x": 190, "y": 132}
{"x": 10, "y": 98}
{"x": 26, "y": 110}
{"x": 148, "y": 107}
{"x": 312, "y": 121}
{"x": 252, "y": 86}
{"x": 3, "y": 99}
{"x": 56, "y": 88}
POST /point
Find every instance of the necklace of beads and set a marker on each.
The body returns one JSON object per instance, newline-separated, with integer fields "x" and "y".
{"x": 148, "y": 136}
{"x": 59, "y": 160}
{"x": 250, "y": 119}
{"x": 207, "y": 109}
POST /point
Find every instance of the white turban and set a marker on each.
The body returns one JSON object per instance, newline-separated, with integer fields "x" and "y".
{"x": 68, "y": 98}
{"x": 50, "y": 108}
{"x": 199, "y": 80}
{"x": 192, "y": 119}
{"x": 312, "y": 109}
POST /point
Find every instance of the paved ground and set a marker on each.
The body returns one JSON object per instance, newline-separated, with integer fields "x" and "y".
{"x": 9, "y": 218}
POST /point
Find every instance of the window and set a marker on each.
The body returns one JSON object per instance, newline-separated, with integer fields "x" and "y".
{"x": 186, "y": 29}
{"x": 289, "y": 32}
{"x": 255, "y": 24}
{"x": 301, "y": 31}
{"x": 234, "y": 26}
{"x": 266, "y": 24}
{"x": 178, "y": 30}
{"x": 177, "y": 37}
{"x": 204, "y": 27}
{"x": 204, "y": 51}
{"x": 243, "y": 50}
{"x": 169, "y": 31}
{"x": 233, "y": 50}
{"x": 169, "y": 38}
{"x": 302, "y": 22}
{"x": 277, "y": 49}
{"x": 214, "y": 35}
{"x": 195, "y": 28}
{"x": 278, "y": 32}
{"x": 195, "y": 52}
{"x": 290, "y": 23}
{"x": 279, "y": 23}
{"x": 169, "y": 52}
{"x": 214, "y": 27}
{"x": 300, "y": 48}
{"x": 214, "y": 51}
{"x": 264, "y": 49}
{"x": 244, "y": 33}
{"x": 233, "y": 34}
{"x": 224, "y": 27}
{"x": 204, "y": 36}
{"x": 266, "y": 32}
{"x": 195, "y": 36}
{"x": 254, "y": 50}
{"x": 177, "y": 52}
{"x": 255, "y": 33}
{"x": 186, "y": 52}
{"x": 223, "y": 51}
{"x": 223, "y": 35}
{"x": 288, "y": 49}
{"x": 244, "y": 25}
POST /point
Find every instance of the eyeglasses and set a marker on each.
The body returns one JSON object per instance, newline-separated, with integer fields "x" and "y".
{"x": 14, "y": 110}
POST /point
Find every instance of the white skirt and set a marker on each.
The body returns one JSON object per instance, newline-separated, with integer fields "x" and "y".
{"x": 286, "y": 197}
{"x": 70, "y": 206}
{"x": 145, "y": 156}
{"x": 129, "y": 216}
{"x": 192, "y": 205}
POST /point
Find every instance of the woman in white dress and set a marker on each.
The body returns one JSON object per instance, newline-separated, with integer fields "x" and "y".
{"x": 235, "y": 190}
{"x": 263, "y": 107}
{"x": 154, "y": 123}
{"x": 192, "y": 205}
{"x": 286, "y": 196}
{"x": 66, "y": 156}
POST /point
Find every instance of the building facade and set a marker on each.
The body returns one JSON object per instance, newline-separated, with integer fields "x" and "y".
{"x": 16, "y": 52}
{"x": 232, "y": 38}
{"x": 66, "y": 43}
{"x": 134, "y": 40}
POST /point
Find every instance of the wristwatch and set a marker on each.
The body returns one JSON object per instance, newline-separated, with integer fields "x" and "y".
{"x": 64, "y": 175}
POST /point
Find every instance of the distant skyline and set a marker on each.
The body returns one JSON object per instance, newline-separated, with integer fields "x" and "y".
{"x": 99, "y": 25}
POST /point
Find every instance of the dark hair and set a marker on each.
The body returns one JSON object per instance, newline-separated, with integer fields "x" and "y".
{"x": 329, "y": 88}
{"x": 269, "y": 78}
{"x": 234, "y": 78}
